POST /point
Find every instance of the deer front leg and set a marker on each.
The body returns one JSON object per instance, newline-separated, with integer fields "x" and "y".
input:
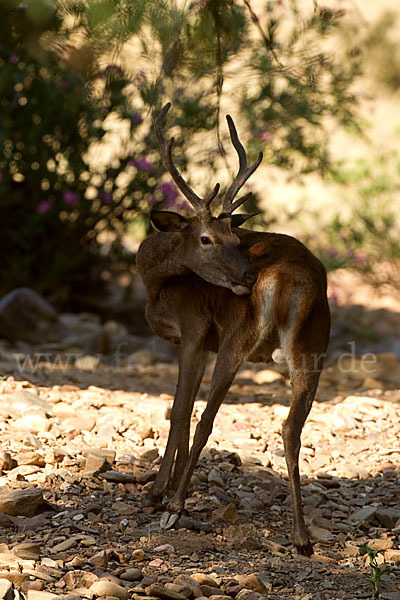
{"x": 223, "y": 375}
{"x": 304, "y": 387}
{"x": 182, "y": 455}
{"x": 189, "y": 377}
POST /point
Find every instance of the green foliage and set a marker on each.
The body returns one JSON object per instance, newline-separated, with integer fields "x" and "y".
{"x": 376, "y": 569}
{"x": 367, "y": 237}
{"x": 65, "y": 97}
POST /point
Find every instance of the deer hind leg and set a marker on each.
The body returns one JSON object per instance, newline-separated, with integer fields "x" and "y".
{"x": 304, "y": 386}
{"x": 223, "y": 375}
{"x": 190, "y": 374}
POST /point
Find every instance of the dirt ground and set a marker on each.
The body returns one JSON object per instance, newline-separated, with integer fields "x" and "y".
{"x": 81, "y": 443}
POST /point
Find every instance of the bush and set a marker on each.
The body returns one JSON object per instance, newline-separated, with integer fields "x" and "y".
{"x": 65, "y": 103}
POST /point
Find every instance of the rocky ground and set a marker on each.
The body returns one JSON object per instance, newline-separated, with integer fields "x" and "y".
{"x": 81, "y": 438}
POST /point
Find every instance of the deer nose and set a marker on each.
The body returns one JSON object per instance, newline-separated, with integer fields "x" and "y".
{"x": 250, "y": 277}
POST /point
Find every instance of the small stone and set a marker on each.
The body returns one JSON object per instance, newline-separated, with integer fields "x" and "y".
{"x": 320, "y": 534}
{"x": 21, "y": 502}
{"x": 363, "y": 514}
{"x": 87, "y": 363}
{"x": 252, "y": 504}
{"x": 226, "y": 514}
{"x": 79, "y": 424}
{"x": 100, "y": 559}
{"x": 267, "y": 376}
{"x": 6, "y": 462}
{"x": 27, "y": 550}
{"x": 40, "y": 595}
{"x": 34, "y": 423}
{"x": 138, "y": 554}
{"x": 6, "y": 590}
{"x": 131, "y": 574}
{"x": 204, "y": 579}
{"x": 388, "y": 517}
{"x": 65, "y": 545}
{"x": 392, "y": 556}
{"x": 31, "y": 458}
{"x": 214, "y": 478}
{"x": 16, "y": 577}
{"x": 95, "y": 464}
{"x": 117, "y": 477}
{"x": 156, "y": 563}
{"x": 159, "y": 591}
{"x": 79, "y": 579}
{"x": 253, "y": 582}
{"x": 380, "y": 544}
{"x": 108, "y": 588}
{"x": 165, "y": 548}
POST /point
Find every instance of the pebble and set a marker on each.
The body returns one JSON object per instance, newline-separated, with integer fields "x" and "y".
{"x": 6, "y": 589}
{"x": 108, "y": 588}
{"x": 131, "y": 574}
{"x": 21, "y": 502}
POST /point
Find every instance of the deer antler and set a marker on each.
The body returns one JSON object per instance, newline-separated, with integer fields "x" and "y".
{"x": 201, "y": 205}
{"x": 243, "y": 174}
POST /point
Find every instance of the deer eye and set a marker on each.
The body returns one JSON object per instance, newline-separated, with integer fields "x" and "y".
{"x": 205, "y": 240}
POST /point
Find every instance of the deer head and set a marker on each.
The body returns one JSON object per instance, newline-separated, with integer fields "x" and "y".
{"x": 208, "y": 244}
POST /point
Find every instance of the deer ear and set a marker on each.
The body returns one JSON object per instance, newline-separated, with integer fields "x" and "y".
{"x": 164, "y": 220}
{"x": 238, "y": 220}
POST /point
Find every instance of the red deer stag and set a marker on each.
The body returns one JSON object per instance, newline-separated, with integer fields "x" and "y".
{"x": 213, "y": 286}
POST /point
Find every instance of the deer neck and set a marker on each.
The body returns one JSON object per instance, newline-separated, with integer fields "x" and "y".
{"x": 160, "y": 257}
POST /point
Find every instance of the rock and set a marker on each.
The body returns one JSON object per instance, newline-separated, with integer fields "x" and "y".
{"x": 23, "y": 503}
{"x": 27, "y": 550}
{"x": 40, "y": 595}
{"x": 6, "y": 462}
{"x": 131, "y": 574}
{"x": 388, "y": 517}
{"x": 320, "y": 534}
{"x": 25, "y": 315}
{"x": 165, "y": 548}
{"x": 16, "y": 577}
{"x": 255, "y": 583}
{"x": 6, "y": 590}
{"x": 6, "y": 521}
{"x": 30, "y": 458}
{"x": 180, "y": 589}
{"x": 204, "y": 579}
{"x": 34, "y": 423}
{"x": 226, "y": 514}
{"x": 392, "y": 556}
{"x": 380, "y": 544}
{"x": 209, "y": 590}
{"x": 159, "y": 591}
{"x": 106, "y": 453}
{"x": 78, "y": 424}
{"x": 363, "y": 514}
{"x": 267, "y": 376}
{"x": 65, "y": 545}
{"x": 214, "y": 478}
{"x": 87, "y": 363}
{"x": 100, "y": 559}
{"x": 252, "y": 504}
{"x": 95, "y": 464}
{"x": 22, "y": 401}
{"x": 138, "y": 554}
{"x": 187, "y": 581}
{"x": 108, "y": 588}
{"x": 117, "y": 477}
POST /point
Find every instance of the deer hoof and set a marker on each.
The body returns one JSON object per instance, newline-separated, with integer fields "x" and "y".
{"x": 305, "y": 549}
{"x": 168, "y": 520}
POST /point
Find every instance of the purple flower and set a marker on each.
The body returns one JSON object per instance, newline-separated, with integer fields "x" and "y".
{"x": 170, "y": 191}
{"x": 266, "y": 136}
{"x": 153, "y": 201}
{"x": 70, "y": 198}
{"x": 136, "y": 117}
{"x": 333, "y": 252}
{"x": 107, "y": 197}
{"x": 360, "y": 258}
{"x": 14, "y": 59}
{"x": 142, "y": 164}
{"x": 43, "y": 207}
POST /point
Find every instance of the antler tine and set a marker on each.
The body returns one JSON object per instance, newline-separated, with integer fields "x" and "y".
{"x": 199, "y": 204}
{"x": 243, "y": 174}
